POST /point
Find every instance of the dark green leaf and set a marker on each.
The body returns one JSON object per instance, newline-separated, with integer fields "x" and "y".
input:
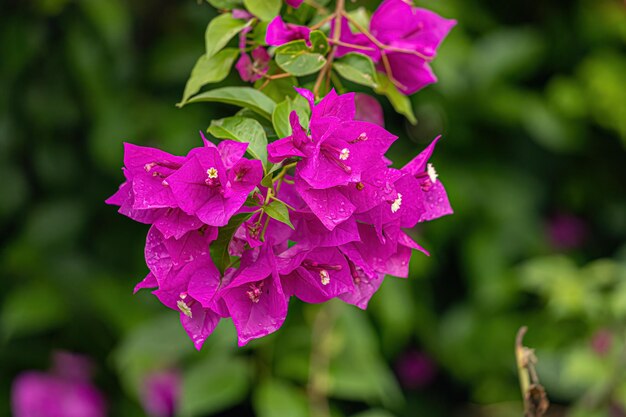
{"x": 221, "y": 30}
{"x": 32, "y": 308}
{"x": 278, "y": 211}
{"x": 239, "y": 96}
{"x": 399, "y": 101}
{"x": 213, "y": 385}
{"x": 357, "y": 68}
{"x": 242, "y": 129}
{"x": 274, "y": 398}
{"x": 297, "y": 58}
{"x": 209, "y": 70}
{"x": 263, "y": 9}
{"x": 219, "y": 248}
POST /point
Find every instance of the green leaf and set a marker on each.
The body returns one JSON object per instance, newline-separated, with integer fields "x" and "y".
{"x": 358, "y": 371}
{"x": 267, "y": 180}
{"x": 225, "y": 4}
{"x": 298, "y": 59}
{"x": 220, "y": 31}
{"x": 32, "y": 308}
{"x": 239, "y": 96}
{"x": 278, "y": 210}
{"x": 280, "y": 118}
{"x": 156, "y": 344}
{"x": 267, "y": 124}
{"x": 209, "y": 70}
{"x": 213, "y": 385}
{"x": 274, "y": 398}
{"x": 245, "y": 130}
{"x": 219, "y": 248}
{"x": 263, "y": 9}
{"x": 319, "y": 42}
{"x": 357, "y": 68}
{"x": 279, "y": 88}
{"x": 399, "y": 101}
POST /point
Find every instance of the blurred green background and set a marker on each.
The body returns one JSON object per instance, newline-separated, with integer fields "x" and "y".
{"x": 531, "y": 101}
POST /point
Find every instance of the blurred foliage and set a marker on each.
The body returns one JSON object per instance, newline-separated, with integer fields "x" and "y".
{"x": 532, "y": 105}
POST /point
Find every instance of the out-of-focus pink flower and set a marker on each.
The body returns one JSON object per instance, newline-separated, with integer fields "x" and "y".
{"x": 602, "y": 341}
{"x": 415, "y": 369}
{"x": 566, "y": 231}
{"x": 63, "y": 392}
{"x": 252, "y": 69}
{"x": 242, "y": 14}
{"x": 160, "y": 394}
{"x": 368, "y": 109}
{"x": 294, "y": 3}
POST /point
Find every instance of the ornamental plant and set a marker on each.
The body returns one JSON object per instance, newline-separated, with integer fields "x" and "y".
{"x": 293, "y": 195}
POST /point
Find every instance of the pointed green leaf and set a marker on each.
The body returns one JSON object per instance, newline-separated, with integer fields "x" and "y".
{"x": 357, "y": 68}
{"x": 242, "y": 129}
{"x": 399, "y": 101}
{"x": 297, "y": 58}
{"x": 219, "y": 248}
{"x": 209, "y": 70}
{"x": 278, "y": 211}
{"x": 263, "y": 9}
{"x": 239, "y": 96}
{"x": 220, "y": 31}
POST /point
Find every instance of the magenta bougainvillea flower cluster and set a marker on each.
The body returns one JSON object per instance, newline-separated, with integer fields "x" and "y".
{"x": 296, "y": 197}
{"x": 328, "y": 224}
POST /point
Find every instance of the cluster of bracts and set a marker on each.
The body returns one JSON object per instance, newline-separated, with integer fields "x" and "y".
{"x": 323, "y": 219}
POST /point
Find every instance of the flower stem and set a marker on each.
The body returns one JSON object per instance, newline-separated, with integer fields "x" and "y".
{"x": 323, "y": 22}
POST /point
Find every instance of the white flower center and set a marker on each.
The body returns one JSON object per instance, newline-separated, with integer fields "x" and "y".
{"x": 325, "y": 277}
{"x": 344, "y": 154}
{"x": 432, "y": 174}
{"x": 395, "y": 206}
{"x": 212, "y": 172}
{"x": 184, "y": 308}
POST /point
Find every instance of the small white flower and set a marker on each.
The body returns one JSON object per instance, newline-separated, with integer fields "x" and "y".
{"x": 325, "y": 277}
{"x": 395, "y": 206}
{"x": 432, "y": 174}
{"x": 212, "y": 172}
{"x": 184, "y": 308}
